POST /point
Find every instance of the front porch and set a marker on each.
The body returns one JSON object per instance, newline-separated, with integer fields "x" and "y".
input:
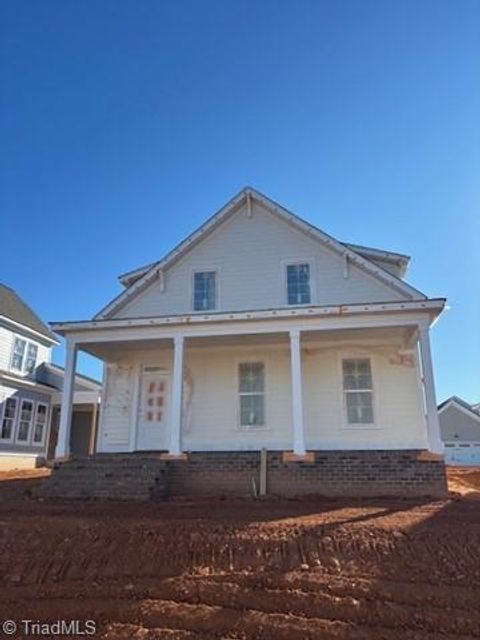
{"x": 172, "y": 384}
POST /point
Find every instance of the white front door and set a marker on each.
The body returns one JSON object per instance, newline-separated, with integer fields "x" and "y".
{"x": 152, "y": 423}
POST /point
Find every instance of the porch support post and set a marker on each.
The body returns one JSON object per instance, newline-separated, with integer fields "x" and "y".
{"x": 177, "y": 393}
{"x": 93, "y": 428}
{"x": 63, "y": 443}
{"x": 297, "y": 403}
{"x": 433, "y": 428}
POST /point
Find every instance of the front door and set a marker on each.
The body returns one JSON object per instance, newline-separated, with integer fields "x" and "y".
{"x": 152, "y": 424}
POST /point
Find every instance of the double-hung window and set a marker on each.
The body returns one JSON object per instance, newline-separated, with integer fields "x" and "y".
{"x": 358, "y": 391}
{"x": 298, "y": 283}
{"x": 24, "y": 355}
{"x": 25, "y": 421}
{"x": 31, "y": 360}
{"x": 40, "y": 424}
{"x": 204, "y": 290}
{"x": 8, "y": 420}
{"x": 251, "y": 389}
{"x": 18, "y": 355}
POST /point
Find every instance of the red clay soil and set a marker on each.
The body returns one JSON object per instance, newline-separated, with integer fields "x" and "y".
{"x": 244, "y": 569}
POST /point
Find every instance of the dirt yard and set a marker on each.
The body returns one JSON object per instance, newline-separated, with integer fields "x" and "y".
{"x": 241, "y": 569}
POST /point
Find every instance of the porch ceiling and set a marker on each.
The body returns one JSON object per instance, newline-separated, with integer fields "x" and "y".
{"x": 401, "y": 335}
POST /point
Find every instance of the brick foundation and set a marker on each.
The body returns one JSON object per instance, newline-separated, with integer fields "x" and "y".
{"x": 326, "y": 473}
{"x": 332, "y": 473}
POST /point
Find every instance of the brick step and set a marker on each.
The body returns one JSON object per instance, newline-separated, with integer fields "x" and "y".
{"x": 108, "y": 476}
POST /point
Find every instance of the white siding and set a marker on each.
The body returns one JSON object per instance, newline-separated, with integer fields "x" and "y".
{"x": 5, "y": 347}
{"x": 117, "y": 406}
{"x": 214, "y": 409}
{"x": 250, "y": 255}
{"x": 456, "y": 424}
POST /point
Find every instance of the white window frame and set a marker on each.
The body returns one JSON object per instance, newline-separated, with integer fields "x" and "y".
{"x": 286, "y": 262}
{"x": 30, "y": 344}
{"x": 251, "y": 359}
{"x": 357, "y": 426}
{"x": 19, "y": 415}
{"x": 12, "y": 368}
{"x": 23, "y": 368}
{"x": 206, "y": 269}
{"x": 47, "y": 412}
{"x": 14, "y": 419}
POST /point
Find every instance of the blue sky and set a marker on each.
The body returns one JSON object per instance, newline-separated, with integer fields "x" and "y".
{"x": 125, "y": 123}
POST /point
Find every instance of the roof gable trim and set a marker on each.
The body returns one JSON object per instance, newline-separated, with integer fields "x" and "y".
{"x": 246, "y": 195}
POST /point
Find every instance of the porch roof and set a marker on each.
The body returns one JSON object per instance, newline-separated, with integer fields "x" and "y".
{"x": 431, "y": 308}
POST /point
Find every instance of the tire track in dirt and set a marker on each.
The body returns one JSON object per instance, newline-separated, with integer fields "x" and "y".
{"x": 249, "y": 570}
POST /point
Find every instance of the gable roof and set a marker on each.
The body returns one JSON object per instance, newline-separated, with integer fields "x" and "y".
{"x": 461, "y": 404}
{"x": 12, "y": 307}
{"x": 138, "y": 279}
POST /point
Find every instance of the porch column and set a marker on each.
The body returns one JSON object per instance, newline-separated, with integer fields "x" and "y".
{"x": 177, "y": 393}
{"x": 63, "y": 442}
{"x": 297, "y": 403}
{"x": 92, "y": 445}
{"x": 433, "y": 428}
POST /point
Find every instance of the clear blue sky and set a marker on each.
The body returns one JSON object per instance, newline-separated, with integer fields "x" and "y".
{"x": 125, "y": 123}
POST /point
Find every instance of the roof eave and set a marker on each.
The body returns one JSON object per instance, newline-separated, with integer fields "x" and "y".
{"x": 433, "y": 307}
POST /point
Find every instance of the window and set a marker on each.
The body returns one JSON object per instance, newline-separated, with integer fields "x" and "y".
{"x": 204, "y": 286}
{"x": 31, "y": 360}
{"x": 358, "y": 390}
{"x": 25, "y": 420}
{"x": 24, "y": 356}
{"x": 9, "y": 415}
{"x": 251, "y": 377}
{"x": 18, "y": 353}
{"x": 40, "y": 425}
{"x": 298, "y": 283}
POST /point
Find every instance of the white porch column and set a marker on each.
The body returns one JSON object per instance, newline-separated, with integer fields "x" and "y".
{"x": 433, "y": 428}
{"x": 297, "y": 403}
{"x": 177, "y": 393}
{"x": 63, "y": 442}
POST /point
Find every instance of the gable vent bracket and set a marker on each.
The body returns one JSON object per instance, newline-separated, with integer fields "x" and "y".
{"x": 249, "y": 205}
{"x": 346, "y": 265}
{"x": 161, "y": 278}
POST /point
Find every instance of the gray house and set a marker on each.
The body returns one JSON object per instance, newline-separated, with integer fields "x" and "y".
{"x": 460, "y": 431}
{"x": 31, "y": 387}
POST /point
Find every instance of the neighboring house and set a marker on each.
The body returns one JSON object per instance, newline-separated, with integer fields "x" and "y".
{"x": 460, "y": 431}
{"x": 30, "y": 387}
{"x": 261, "y": 332}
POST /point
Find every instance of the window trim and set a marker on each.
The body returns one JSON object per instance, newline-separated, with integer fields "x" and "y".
{"x": 31, "y": 344}
{"x": 24, "y": 358}
{"x": 206, "y": 269}
{"x": 286, "y": 262}
{"x": 26, "y": 442}
{"x": 357, "y": 426}
{"x": 12, "y": 355}
{"x": 251, "y": 359}
{"x": 14, "y": 420}
{"x": 47, "y": 412}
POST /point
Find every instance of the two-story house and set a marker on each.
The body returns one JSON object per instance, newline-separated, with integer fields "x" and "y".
{"x": 30, "y": 388}
{"x": 263, "y": 354}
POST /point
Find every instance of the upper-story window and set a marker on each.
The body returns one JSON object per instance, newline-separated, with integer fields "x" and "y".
{"x": 18, "y": 355}
{"x": 358, "y": 390}
{"x": 24, "y": 355}
{"x": 204, "y": 290}
{"x": 298, "y": 283}
{"x": 31, "y": 360}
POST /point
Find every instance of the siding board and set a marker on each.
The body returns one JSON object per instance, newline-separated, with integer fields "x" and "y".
{"x": 249, "y": 255}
